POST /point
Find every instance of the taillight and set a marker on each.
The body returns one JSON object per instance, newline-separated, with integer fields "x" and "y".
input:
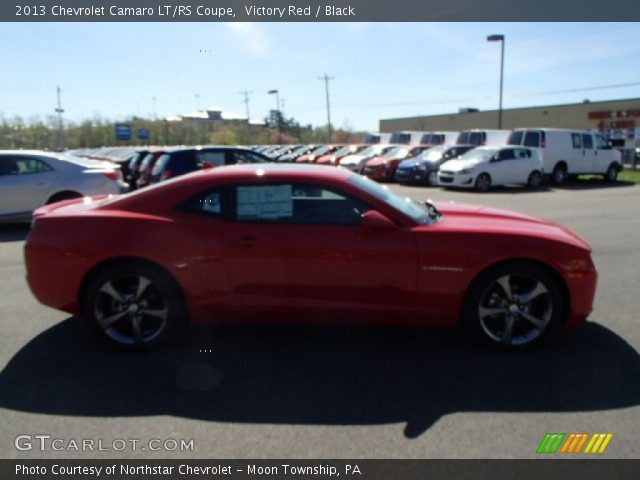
{"x": 112, "y": 174}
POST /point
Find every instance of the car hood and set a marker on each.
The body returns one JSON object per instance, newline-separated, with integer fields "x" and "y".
{"x": 375, "y": 161}
{"x": 458, "y": 164}
{"x": 469, "y": 218}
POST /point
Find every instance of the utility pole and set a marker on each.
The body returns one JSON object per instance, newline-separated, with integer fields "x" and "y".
{"x": 153, "y": 113}
{"x": 60, "y": 111}
{"x": 246, "y": 94}
{"x": 326, "y": 79}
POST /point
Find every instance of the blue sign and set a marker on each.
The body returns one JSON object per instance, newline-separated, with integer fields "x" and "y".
{"x": 123, "y": 131}
{"x": 143, "y": 134}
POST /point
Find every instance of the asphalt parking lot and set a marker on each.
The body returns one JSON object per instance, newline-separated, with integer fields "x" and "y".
{"x": 339, "y": 392}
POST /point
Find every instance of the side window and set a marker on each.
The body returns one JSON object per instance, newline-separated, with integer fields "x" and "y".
{"x": 587, "y": 141}
{"x": 240, "y": 156}
{"x": 522, "y": 153}
{"x": 301, "y": 204}
{"x": 506, "y": 154}
{"x": 8, "y": 166}
{"x": 22, "y": 165}
{"x": 532, "y": 139}
{"x": 576, "y": 139}
{"x": 215, "y": 159}
{"x": 212, "y": 203}
{"x": 515, "y": 138}
{"x": 602, "y": 143}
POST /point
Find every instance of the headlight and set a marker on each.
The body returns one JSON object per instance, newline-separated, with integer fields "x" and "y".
{"x": 423, "y": 167}
{"x": 465, "y": 171}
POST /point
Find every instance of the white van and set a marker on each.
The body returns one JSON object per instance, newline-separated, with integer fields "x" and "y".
{"x": 439, "y": 138}
{"x": 407, "y": 138}
{"x": 483, "y": 137}
{"x": 569, "y": 153}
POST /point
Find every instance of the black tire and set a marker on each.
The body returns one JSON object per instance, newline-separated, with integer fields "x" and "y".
{"x": 483, "y": 182}
{"x": 489, "y": 309}
{"x": 534, "y": 182}
{"x": 59, "y": 197}
{"x": 432, "y": 179}
{"x": 559, "y": 174}
{"x": 131, "y": 292}
{"x": 611, "y": 175}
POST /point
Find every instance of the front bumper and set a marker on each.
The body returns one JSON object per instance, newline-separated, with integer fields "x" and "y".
{"x": 455, "y": 179}
{"x": 413, "y": 175}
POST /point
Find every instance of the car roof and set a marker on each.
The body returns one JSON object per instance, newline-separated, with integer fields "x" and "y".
{"x": 266, "y": 169}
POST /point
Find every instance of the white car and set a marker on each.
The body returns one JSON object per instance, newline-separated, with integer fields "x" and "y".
{"x": 484, "y": 167}
{"x": 30, "y": 179}
{"x": 355, "y": 161}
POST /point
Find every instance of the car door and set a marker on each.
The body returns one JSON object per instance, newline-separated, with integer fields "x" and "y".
{"x": 579, "y": 161}
{"x": 502, "y": 167}
{"x": 604, "y": 154}
{"x": 24, "y": 183}
{"x": 588, "y": 153}
{"x": 301, "y": 245}
{"x": 522, "y": 165}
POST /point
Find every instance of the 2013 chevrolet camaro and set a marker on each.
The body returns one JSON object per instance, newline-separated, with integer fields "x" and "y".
{"x": 296, "y": 244}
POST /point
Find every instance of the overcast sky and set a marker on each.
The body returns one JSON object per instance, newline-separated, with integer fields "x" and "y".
{"x": 381, "y": 70}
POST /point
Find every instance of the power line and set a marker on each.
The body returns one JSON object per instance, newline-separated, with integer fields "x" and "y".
{"x": 585, "y": 89}
{"x": 326, "y": 79}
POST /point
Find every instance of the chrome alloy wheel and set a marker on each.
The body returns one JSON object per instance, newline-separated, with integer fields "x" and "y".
{"x": 131, "y": 309}
{"x": 515, "y": 309}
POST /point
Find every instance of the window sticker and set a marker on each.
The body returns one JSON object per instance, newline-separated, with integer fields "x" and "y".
{"x": 268, "y": 202}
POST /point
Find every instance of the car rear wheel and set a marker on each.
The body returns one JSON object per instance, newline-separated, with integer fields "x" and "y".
{"x": 559, "y": 174}
{"x": 134, "y": 306}
{"x": 514, "y": 305}
{"x": 483, "y": 182}
{"x": 535, "y": 180}
{"x": 611, "y": 175}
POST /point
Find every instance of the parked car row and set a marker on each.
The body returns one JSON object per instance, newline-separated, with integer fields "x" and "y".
{"x": 476, "y": 158}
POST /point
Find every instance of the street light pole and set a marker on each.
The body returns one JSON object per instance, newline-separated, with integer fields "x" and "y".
{"x": 499, "y": 38}
{"x": 277, "y": 94}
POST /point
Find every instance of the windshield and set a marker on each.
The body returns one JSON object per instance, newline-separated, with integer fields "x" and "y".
{"x": 478, "y": 155}
{"x": 302, "y": 150}
{"x": 322, "y": 150}
{"x": 432, "y": 154}
{"x": 421, "y": 214}
{"x": 346, "y": 150}
{"x": 396, "y": 152}
{"x": 372, "y": 150}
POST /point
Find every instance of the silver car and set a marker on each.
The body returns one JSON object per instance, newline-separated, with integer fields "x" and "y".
{"x": 30, "y": 179}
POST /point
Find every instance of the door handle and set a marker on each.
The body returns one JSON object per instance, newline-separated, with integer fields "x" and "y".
{"x": 247, "y": 242}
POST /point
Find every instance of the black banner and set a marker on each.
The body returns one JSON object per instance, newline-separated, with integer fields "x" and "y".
{"x": 317, "y": 10}
{"x": 320, "y": 469}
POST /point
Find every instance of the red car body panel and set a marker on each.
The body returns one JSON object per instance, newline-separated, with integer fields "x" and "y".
{"x": 383, "y": 168}
{"x": 308, "y": 269}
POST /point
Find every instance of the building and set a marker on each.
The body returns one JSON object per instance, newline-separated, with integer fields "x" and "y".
{"x": 617, "y": 119}
{"x": 212, "y": 118}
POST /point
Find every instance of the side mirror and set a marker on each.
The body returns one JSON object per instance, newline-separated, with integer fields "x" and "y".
{"x": 376, "y": 221}
{"x": 495, "y": 159}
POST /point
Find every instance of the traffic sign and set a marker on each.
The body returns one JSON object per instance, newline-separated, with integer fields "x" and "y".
{"x": 123, "y": 131}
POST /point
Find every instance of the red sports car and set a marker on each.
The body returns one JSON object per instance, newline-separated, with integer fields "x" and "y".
{"x": 297, "y": 243}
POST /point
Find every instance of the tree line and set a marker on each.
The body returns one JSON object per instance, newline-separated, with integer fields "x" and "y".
{"x": 44, "y": 133}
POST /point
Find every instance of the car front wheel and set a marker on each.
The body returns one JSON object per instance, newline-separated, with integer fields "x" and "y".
{"x": 612, "y": 173}
{"x": 483, "y": 182}
{"x": 514, "y": 305}
{"x": 134, "y": 306}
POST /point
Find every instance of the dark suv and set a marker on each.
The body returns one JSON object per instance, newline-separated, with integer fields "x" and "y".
{"x": 179, "y": 161}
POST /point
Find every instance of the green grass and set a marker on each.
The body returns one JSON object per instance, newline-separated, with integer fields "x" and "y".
{"x": 629, "y": 176}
